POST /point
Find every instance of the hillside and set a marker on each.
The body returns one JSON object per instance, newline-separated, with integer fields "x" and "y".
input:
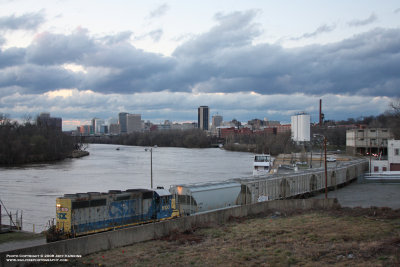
{"x": 357, "y": 237}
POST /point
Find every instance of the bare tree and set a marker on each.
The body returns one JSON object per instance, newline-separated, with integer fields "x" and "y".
{"x": 4, "y": 118}
{"x": 395, "y": 120}
{"x": 395, "y": 105}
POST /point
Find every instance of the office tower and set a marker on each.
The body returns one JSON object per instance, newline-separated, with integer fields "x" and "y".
{"x": 97, "y": 124}
{"x": 114, "y": 128}
{"x": 216, "y": 120}
{"x": 134, "y": 123}
{"x": 202, "y": 117}
{"x": 122, "y": 121}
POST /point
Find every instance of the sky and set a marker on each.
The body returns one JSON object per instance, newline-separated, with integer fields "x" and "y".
{"x": 163, "y": 59}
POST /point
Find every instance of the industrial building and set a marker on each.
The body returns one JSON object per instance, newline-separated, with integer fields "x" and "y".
{"x": 391, "y": 162}
{"x": 300, "y": 127}
{"x": 367, "y": 141}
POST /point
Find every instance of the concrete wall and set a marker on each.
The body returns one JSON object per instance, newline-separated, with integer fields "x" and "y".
{"x": 123, "y": 237}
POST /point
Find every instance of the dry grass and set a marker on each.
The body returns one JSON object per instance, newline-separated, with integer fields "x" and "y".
{"x": 18, "y": 236}
{"x": 341, "y": 238}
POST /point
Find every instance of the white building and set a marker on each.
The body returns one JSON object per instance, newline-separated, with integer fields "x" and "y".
{"x": 394, "y": 155}
{"x": 301, "y": 127}
{"x": 393, "y": 160}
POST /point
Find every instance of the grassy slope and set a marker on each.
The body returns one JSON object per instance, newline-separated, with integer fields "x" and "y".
{"x": 18, "y": 236}
{"x": 357, "y": 237}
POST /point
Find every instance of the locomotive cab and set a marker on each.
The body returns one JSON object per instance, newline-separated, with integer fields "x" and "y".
{"x": 164, "y": 204}
{"x": 162, "y": 199}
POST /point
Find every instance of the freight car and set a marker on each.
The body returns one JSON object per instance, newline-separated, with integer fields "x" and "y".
{"x": 92, "y": 212}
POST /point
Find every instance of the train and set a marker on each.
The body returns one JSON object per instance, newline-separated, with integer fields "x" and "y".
{"x": 87, "y": 213}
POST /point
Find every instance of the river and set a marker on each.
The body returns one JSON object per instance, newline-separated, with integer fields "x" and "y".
{"x": 34, "y": 188}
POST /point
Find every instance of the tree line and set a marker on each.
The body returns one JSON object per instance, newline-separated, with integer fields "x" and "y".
{"x": 193, "y": 138}
{"x": 266, "y": 143}
{"x": 27, "y": 143}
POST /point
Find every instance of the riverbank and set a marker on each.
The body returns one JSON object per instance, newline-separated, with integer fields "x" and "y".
{"x": 78, "y": 154}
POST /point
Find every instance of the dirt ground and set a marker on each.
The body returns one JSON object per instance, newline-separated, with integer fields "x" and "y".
{"x": 342, "y": 237}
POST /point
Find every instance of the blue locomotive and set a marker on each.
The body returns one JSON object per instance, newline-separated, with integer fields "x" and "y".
{"x": 93, "y": 212}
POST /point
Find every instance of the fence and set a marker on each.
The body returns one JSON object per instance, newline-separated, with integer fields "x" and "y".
{"x": 10, "y": 221}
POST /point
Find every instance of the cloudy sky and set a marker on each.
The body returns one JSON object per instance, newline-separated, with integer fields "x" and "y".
{"x": 162, "y": 59}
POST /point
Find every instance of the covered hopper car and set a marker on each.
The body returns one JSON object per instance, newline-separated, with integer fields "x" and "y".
{"x": 92, "y": 212}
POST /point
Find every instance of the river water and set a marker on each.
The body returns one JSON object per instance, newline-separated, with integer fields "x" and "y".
{"x": 34, "y": 188}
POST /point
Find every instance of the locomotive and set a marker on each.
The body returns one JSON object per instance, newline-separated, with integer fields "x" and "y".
{"x": 87, "y": 213}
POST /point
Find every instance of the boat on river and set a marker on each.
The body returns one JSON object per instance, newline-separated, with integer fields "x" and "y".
{"x": 262, "y": 164}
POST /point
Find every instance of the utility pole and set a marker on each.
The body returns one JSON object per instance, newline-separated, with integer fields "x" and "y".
{"x": 326, "y": 171}
{"x": 151, "y": 166}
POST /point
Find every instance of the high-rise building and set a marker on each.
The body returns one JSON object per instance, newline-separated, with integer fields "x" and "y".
{"x": 134, "y": 123}
{"x": 203, "y": 117}
{"x": 114, "y": 128}
{"x": 85, "y": 129}
{"x": 44, "y": 120}
{"x": 112, "y": 121}
{"x": 216, "y": 120}
{"x": 97, "y": 124}
{"x": 122, "y": 121}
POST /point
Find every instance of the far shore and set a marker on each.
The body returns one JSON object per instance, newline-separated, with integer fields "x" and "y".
{"x": 78, "y": 154}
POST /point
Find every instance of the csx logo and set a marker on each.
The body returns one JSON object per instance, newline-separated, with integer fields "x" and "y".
{"x": 165, "y": 208}
{"x": 62, "y": 216}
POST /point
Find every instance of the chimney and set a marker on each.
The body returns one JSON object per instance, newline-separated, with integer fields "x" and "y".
{"x": 320, "y": 112}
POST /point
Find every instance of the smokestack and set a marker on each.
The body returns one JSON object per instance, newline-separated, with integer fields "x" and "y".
{"x": 320, "y": 112}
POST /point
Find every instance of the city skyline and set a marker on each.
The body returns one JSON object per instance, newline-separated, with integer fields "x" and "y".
{"x": 245, "y": 60}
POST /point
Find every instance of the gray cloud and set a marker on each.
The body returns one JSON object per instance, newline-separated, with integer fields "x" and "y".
{"x": 321, "y": 29}
{"x": 362, "y": 22}
{"x": 49, "y": 49}
{"x": 397, "y": 10}
{"x": 28, "y": 21}
{"x": 224, "y": 59}
{"x": 155, "y": 35}
{"x": 12, "y": 57}
{"x": 117, "y": 38}
{"x": 159, "y": 11}
{"x": 233, "y": 30}
{"x": 37, "y": 79}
